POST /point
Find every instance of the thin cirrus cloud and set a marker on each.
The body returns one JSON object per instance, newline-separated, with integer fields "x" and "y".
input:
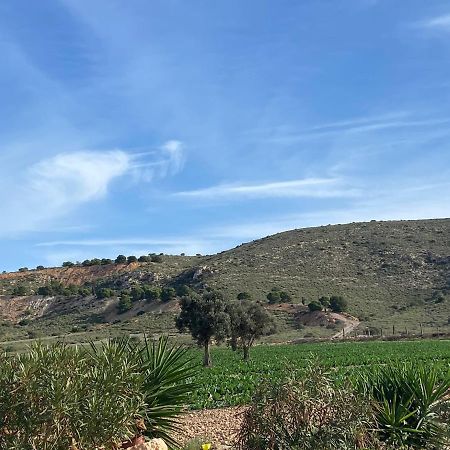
{"x": 54, "y": 187}
{"x": 437, "y": 23}
{"x": 307, "y": 187}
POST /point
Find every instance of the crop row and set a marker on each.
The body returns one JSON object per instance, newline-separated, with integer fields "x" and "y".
{"x": 232, "y": 381}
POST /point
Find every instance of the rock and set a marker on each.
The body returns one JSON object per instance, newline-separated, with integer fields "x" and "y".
{"x": 153, "y": 444}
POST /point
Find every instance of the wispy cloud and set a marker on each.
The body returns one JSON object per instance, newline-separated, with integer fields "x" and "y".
{"x": 354, "y": 127}
{"x": 54, "y": 187}
{"x": 437, "y": 23}
{"x": 307, "y": 187}
{"x": 166, "y": 160}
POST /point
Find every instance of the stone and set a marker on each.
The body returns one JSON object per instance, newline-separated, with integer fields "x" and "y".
{"x": 153, "y": 444}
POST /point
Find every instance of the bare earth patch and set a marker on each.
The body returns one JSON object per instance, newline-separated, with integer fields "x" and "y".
{"x": 217, "y": 426}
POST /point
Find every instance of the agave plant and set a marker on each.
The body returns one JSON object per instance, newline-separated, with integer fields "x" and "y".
{"x": 410, "y": 403}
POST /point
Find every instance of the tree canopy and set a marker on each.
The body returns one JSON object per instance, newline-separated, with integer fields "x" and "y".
{"x": 206, "y": 317}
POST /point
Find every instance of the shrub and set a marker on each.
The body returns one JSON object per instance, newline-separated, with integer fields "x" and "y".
{"x": 411, "y": 402}
{"x": 62, "y": 397}
{"x": 168, "y": 294}
{"x": 68, "y": 264}
{"x": 314, "y": 306}
{"x": 152, "y": 292}
{"x": 338, "y": 303}
{"x": 59, "y": 397}
{"x": 156, "y": 258}
{"x": 131, "y": 259}
{"x": 124, "y": 304}
{"x": 104, "y": 293}
{"x": 167, "y": 374}
{"x": 121, "y": 259}
{"x": 306, "y": 411}
{"x": 20, "y": 290}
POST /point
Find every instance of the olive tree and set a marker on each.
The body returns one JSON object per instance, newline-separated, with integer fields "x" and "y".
{"x": 206, "y": 317}
{"x": 249, "y": 322}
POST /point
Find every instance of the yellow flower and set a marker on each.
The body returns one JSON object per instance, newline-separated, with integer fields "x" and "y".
{"x": 206, "y": 446}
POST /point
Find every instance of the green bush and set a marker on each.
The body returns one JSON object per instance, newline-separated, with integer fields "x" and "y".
{"x": 306, "y": 411}
{"x": 411, "y": 402}
{"x": 314, "y": 306}
{"x": 59, "y": 397}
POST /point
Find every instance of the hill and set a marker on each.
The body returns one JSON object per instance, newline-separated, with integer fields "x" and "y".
{"x": 392, "y": 273}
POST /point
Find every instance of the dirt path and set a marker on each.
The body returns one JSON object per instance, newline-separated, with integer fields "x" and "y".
{"x": 350, "y": 324}
{"x": 215, "y": 426}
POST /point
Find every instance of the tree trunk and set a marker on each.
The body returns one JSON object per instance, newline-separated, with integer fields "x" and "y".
{"x": 246, "y": 349}
{"x": 207, "y": 357}
{"x": 233, "y": 343}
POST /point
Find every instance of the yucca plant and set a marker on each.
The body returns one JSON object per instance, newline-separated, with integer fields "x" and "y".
{"x": 168, "y": 373}
{"x": 410, "y": 402}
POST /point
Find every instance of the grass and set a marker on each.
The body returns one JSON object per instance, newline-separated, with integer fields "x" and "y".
{"x": 231, "y": 381}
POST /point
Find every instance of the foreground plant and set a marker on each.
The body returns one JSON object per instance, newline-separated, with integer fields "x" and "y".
{"x": 59, "y": 397}
{"x": 411, "y": 403}
{"x": 308, "y": 411}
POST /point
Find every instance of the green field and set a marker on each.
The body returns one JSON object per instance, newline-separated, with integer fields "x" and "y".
{"x": 232, "y": 381}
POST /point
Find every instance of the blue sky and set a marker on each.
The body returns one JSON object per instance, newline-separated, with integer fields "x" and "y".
{"x": 175, "y": 126}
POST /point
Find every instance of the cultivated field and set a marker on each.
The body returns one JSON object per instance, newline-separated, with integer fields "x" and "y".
{"x": 231, "y": 381}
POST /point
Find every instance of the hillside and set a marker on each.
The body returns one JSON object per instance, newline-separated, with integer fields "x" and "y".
{"x": 392, "y": 273}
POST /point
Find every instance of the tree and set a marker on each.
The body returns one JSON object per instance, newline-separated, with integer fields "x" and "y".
{"x": 314, "y": 306}
{"x": 324, "y": 301}
{"x": 68, "y": 264}
{"x": 338, "y": 303}
{"x": 137, "y": 293}
{"x": 144, "y": 258}
{"x": 152, "y": 293}
{"x": 131, "y": 259}
{"x": 125, "y": 304}
{"x": 244, "y": 296}
{"x": 206, "y": 317}
{"x": 40, "y": 268}
{"x": 274, "y": 296}
{"x": 106, "y": 261}
{"x": 104, "y": 293}
{"x": 121, "y": 259}
{"x": 285, "y": 297}
{"x": 167, "y": 294}
{"x": 23, "y": 269}
{"x": 249, "y": 322}
{"x": 156, "y": 258}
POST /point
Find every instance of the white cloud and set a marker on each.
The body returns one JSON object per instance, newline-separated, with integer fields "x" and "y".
{"x": 307, "y": 187}
{"x": 438, "y": 23}
{"x": 166, "y": 160}
{"x": 176, "y": 156}
{"x": 75, "y": 178}
{"x": 55, "y": 186}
